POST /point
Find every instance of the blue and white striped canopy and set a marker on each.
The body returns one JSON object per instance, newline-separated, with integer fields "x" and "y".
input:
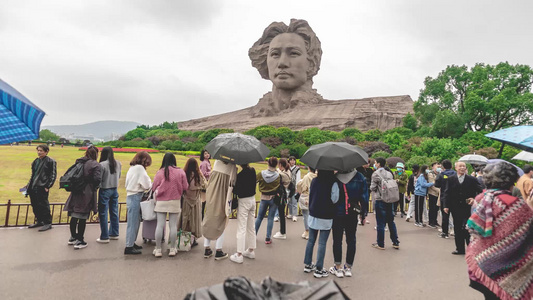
{"x": 20, "y": 119}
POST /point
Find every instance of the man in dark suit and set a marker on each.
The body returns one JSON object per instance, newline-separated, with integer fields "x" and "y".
{"x": 457, "y": 198}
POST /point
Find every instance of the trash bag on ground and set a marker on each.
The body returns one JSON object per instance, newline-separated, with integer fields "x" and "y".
{"x": 240, "y": 288}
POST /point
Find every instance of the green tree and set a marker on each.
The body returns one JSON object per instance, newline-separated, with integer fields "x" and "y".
{"x": 485, "y": 97}
{"x": 395, "y": 141}
{"x": 410, "y": 122}
{"x": 373, "y": 135}
{"x": 286, "y": 135}
{"x": 47, "y": 135}
{"x": 135, "y": 133}
{"x": 447, "y": 124}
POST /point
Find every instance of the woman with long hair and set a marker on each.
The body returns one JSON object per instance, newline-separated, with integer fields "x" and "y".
{"x": 285, "y": 174}
{"x": 245, "y": 190}
{"x": 137, "y": 182}
{"x": 191, "y": 214}
{"x": 269, "y": 181}
{"x": 205, "y": 168}
{"x": 500, "y": 253}
{"x": 80, "y": 203}
{"x": 421, "y": 191}
{"x": 323, "y": 195}
{"x": 169, "y": 184}
{"x": 108, "y": 196}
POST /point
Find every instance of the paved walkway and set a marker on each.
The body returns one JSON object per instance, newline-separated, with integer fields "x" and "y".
{"x": 40, "y": 265}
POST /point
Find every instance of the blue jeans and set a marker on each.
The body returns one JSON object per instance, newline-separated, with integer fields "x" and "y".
{"x": 305, "y": 213}
{"x": 385, "y": 215}
{"x": 133, "y": 203}
{"x": 272, "y": 208}
{"x": 293, "y": 206}
{"x": 321, "y": 252}
{"x": 108, "y": 200}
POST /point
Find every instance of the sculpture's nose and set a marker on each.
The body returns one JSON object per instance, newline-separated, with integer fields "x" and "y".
{"x": 283, "y": 61}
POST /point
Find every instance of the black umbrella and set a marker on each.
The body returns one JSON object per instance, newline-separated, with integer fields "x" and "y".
{"x": 335, "y": 156}
{"x": 237, "y": 148}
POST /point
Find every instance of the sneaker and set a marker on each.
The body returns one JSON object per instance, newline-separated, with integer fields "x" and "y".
{"x": 396, "y": 246}
{"x": 295, "y": 219}
{"x": 276, "y": 219}
{"x": 375, "y": 245}
{"x": 98, "y": 240}
{"x": 309, "y": 268}
{"x": 418, "y": 224}
{"x": 280, "y": 236}
{"x": 268, "y": 241}
{"x": 452, "y": 233}
{"x": 236, "y": 258}
{"x": 249, "y": 254}
{"x": 220, "y": 255}
{"x": 337, "y": 272}
{"x": 172, "y": 252}
{"x": 432, "y": 226}
{"x": 321, "y": 273}
{"x": 72, "y": 241}
{"x": 305, "y": 235}
{"x": 208, "y": 253}
{"x": 359, "y": 222}
{"x": 386, "y": 228}
{"x": 80, "y": 245}
{"x": 157, "y": 252}
{"x": 440, "y": 229}
{"x": 347, "y": 271}
{"x": 131, "y": 250}
{"x": 45, "y": 227}
{"x": 443, "y": 235}
{"x": 113, "y": 237}
{"x": 407, "y": 219}
{"x": 135, "y": 246}
{"x": 289, "y": 216}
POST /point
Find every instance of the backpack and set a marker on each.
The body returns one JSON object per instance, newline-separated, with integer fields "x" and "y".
{"x": 351, "y": 204}
{"x": 389, "y": 190}
{"x": 292, "y": 184}
{"x": 73, "y": 181}
{"x": 280, "y": 197}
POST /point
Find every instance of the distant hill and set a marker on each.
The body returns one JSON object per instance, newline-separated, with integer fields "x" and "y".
{"x": 101, "y": 130}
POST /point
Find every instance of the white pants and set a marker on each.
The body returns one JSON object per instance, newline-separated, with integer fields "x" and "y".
{"x": 218, "y": 243}
{"x": 246, "y": 224}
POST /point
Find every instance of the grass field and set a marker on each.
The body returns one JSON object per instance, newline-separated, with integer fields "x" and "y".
{"x": 15, "y": 172}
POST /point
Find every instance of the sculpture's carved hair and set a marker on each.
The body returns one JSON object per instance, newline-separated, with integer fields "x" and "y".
{"x": 259, "y": 51}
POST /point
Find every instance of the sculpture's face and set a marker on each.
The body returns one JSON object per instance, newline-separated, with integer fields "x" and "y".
{"x": 287, "y": 61}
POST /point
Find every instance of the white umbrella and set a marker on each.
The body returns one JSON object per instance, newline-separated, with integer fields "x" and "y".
{"x": 474, "y": 159}
{"x": 524, "y": 155}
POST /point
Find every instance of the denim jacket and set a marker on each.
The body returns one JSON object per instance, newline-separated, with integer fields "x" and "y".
{"x": 421, "y": 186}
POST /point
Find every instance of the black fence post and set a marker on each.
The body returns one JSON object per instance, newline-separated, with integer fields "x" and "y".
{"x": 7, "y": 212}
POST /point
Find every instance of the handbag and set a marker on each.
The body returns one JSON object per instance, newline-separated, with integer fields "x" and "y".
{"x": 280, "y": 198}
{"x": 235, "y": 202}
{"x": 148, "y": 207}
{"x": 229, "y": 198}
{"x": 184, "y": 241}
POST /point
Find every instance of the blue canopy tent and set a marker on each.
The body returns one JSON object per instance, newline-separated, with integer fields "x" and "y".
{"x": 20, "y": 119}
{"x": 519, "y": 136}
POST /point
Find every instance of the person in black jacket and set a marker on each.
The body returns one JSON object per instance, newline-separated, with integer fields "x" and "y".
{"x": 411, "y": 191}
{"x": 460, "y": 191}
{"x": 43, "y": 176}
{"x": 441, "y": 182}
{"x": 245, "y": 190}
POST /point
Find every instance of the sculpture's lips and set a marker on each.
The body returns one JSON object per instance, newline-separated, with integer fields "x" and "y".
{"x": 283, "y": 74}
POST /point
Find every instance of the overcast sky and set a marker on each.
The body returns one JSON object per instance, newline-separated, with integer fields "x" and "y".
{"x": 160, "y": 60}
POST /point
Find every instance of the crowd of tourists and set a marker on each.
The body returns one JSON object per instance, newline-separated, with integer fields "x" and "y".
{"x": 489, "y": 211}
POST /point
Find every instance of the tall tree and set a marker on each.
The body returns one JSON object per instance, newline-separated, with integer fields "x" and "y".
{"x": 47, "y": 135}
{"x": 484, "y": 97}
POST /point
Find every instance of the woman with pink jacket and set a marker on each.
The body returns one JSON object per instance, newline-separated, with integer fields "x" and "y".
{"x": 169, "y": 184}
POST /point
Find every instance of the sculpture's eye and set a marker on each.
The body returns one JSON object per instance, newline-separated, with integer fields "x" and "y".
{"x": 274, "y": 53}
{"x": 295, "y": 53}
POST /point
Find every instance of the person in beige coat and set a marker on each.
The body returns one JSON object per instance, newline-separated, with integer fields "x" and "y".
{"x": 302, "y": 187}
{"x": 191, "y": 211}
{"x": 222, "y": 179}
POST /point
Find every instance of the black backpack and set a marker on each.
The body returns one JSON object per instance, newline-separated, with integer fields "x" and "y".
{"x": 292, "y": 184}
{"x": 280, "y": 197}
{"x": 73, "y": 181}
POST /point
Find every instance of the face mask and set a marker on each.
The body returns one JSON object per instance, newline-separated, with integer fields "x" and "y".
{"x": 400, "y": 170}
{"x": 439, "y": 170}
{"x": 374, "y": 166}
{"x": 428, "y": 171}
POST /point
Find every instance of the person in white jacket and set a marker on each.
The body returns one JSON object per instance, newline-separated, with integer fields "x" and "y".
{"x": 137, "y": 182}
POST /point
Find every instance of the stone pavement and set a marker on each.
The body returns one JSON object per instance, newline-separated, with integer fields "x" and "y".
{"x": 40, "y": 265}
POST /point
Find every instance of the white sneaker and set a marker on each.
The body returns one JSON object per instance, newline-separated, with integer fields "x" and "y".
{"x": 359, "y": 222}
{"x": 305, "y": 235}
{"x": 80, "y": 245}
{"x": 337, "y": 272}
{"x": 280, "y": 236}
{"x": 172, "y": 252}
{"x": 289, "y": 216}
{"x": 276, "y": 219}
{"x": 347, "y": 271}
{"x": 157, "y": 253}
{"x": 98, "y": 240}
{"x": 236, "y": 258}
{"x": 249, "y": 254}
{"x": 407, "y": 219}
{"x": 295, "y": 219}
